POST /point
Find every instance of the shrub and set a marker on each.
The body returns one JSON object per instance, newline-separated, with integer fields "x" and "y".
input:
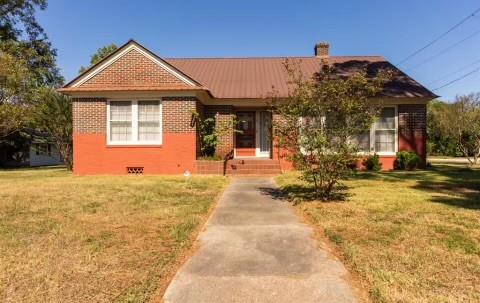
{"x": 407, "y": 160}
{"x": 372, "y": 163}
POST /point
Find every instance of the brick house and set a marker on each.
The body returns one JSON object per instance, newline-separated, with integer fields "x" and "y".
{"x": 132, "y": 112}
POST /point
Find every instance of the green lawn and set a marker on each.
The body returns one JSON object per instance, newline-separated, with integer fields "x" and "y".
{"x": 95, "y": 239}
{"x": 409, "y": 236}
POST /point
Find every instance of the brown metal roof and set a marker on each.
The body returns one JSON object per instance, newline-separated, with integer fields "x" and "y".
{"x": 129, "y": 88}
{"x": 258, "y": 77}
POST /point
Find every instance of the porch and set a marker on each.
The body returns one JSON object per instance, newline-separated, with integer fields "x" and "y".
{"x": 248, "y": 148}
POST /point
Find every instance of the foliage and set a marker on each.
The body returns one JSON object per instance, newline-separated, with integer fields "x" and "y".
{"x": 27, "y": 64}
{"x": 460, "y": 122}
{"x": 407, "y": 161}
{"x": 438, "y": 143}
{"x": 210, "y": 130}
{"x": 54, "y": 116}
{"x": 22, "y": 37}
{"x": 372, "y": 163}
{"x": 333, "y": 111}
{"x": 100, "y": 55}
{"x": 15, "y": 12}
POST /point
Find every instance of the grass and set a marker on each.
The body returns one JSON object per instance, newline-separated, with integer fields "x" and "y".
{"x": 409, "y": 236}
{"x": 95, "y": 239}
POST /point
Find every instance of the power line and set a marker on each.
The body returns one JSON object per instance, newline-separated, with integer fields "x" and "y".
{"x": 439, "y": 37}
{"x": 445, "y": 50}
{"x": 458, "y": 79}
{"x": 454, "y": 72}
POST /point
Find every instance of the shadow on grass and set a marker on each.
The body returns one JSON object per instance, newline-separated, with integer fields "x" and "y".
{"x": 461, "y": 184}
{"x": 457, "y": 185}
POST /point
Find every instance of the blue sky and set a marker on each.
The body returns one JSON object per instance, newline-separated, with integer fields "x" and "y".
{"x": 244, "y": 28}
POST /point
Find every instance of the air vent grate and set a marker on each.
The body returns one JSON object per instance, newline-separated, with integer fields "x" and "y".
{"x": 135, "y": 170}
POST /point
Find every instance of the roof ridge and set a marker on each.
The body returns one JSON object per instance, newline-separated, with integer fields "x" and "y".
{"x": 272, "y": 57}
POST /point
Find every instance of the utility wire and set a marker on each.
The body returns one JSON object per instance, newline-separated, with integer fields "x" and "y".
{"x": 445, "y": 50}
{"x": 458, "y": 79}
{"x": 454, "y": 72}
{"x": 439, "y": 37}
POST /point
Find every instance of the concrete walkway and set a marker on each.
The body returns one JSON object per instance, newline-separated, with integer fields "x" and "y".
{"x": 254, "y": 249}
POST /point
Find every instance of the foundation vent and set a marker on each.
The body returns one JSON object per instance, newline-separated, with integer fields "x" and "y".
{"x": 135, "y": 170}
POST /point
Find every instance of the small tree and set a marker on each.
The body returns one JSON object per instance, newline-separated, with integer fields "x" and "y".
{"x": 321, "y": 119}
{"x": 53, "y": 115}
{"x": 460, "y": 121}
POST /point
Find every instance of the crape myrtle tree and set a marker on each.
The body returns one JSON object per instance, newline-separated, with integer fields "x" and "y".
{"x": 319, "y": 122}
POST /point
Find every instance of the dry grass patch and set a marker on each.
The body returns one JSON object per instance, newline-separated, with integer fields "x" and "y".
{"x": 94, "y": 239}
{"x": 412, "y": 236}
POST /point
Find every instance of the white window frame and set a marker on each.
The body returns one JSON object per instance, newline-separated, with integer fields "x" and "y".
{"x": 135, "y": 141}
{"x": 372, "y": 135}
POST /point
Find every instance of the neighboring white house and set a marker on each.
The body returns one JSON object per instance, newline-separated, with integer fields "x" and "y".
{"x": 44, "y": 154}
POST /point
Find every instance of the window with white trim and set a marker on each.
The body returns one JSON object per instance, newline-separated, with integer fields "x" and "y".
{"x": 148, "y": 121}
{"x": 120, "y": 121}
{"x": 385, "y": 130}
{"x": 134, "y": 122}
{"x": 382, "y": 137}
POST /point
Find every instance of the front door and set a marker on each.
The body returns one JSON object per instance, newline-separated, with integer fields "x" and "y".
{"x": 245, "y": 136}
{"x": 264, "y": 130}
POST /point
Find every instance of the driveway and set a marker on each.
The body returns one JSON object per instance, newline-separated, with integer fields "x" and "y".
{"x": 255, "y": 249}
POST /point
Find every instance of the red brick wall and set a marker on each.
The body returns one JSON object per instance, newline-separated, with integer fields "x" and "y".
{"x": 412, "y": 135}
{"x": 279, "y": 153}
{"x": 177, "y": 114}
{"x": 89, "y": 116}
{"x": 92, "y": 155}
{"x": 412, "y": 129}
{"x": 133, "y": 69}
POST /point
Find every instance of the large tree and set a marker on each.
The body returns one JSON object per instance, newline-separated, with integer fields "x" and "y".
{"x": 460, "y": 121}
{"x": 27, "y": 59}
{"x": 54, "y": 116}
{"x": 22, "y": 37}
{"x": 99, "y": 55}
{"x": 27, "y": 64}
{"x": 320, "y": 120}
{"x": 437, "y": 142}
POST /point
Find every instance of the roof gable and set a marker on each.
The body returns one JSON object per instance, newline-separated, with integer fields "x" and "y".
{"x": 132, "y": 65}
{"x": 134, "y": 68}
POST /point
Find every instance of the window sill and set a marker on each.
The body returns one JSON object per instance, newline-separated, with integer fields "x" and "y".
{"x": 134, "y": 144}
{"x": 381, "y": 154}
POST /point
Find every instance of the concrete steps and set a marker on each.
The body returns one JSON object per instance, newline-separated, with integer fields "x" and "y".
{"x": 246, "y": 167}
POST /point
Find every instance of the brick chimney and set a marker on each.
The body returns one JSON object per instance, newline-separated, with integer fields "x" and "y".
{"x": 321, "y": 49}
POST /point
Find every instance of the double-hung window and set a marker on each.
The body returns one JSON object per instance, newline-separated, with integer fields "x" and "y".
{"x": 385, "y": 131}
{"x": 382, "y": 137}
{"x": 135, "y": 122}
